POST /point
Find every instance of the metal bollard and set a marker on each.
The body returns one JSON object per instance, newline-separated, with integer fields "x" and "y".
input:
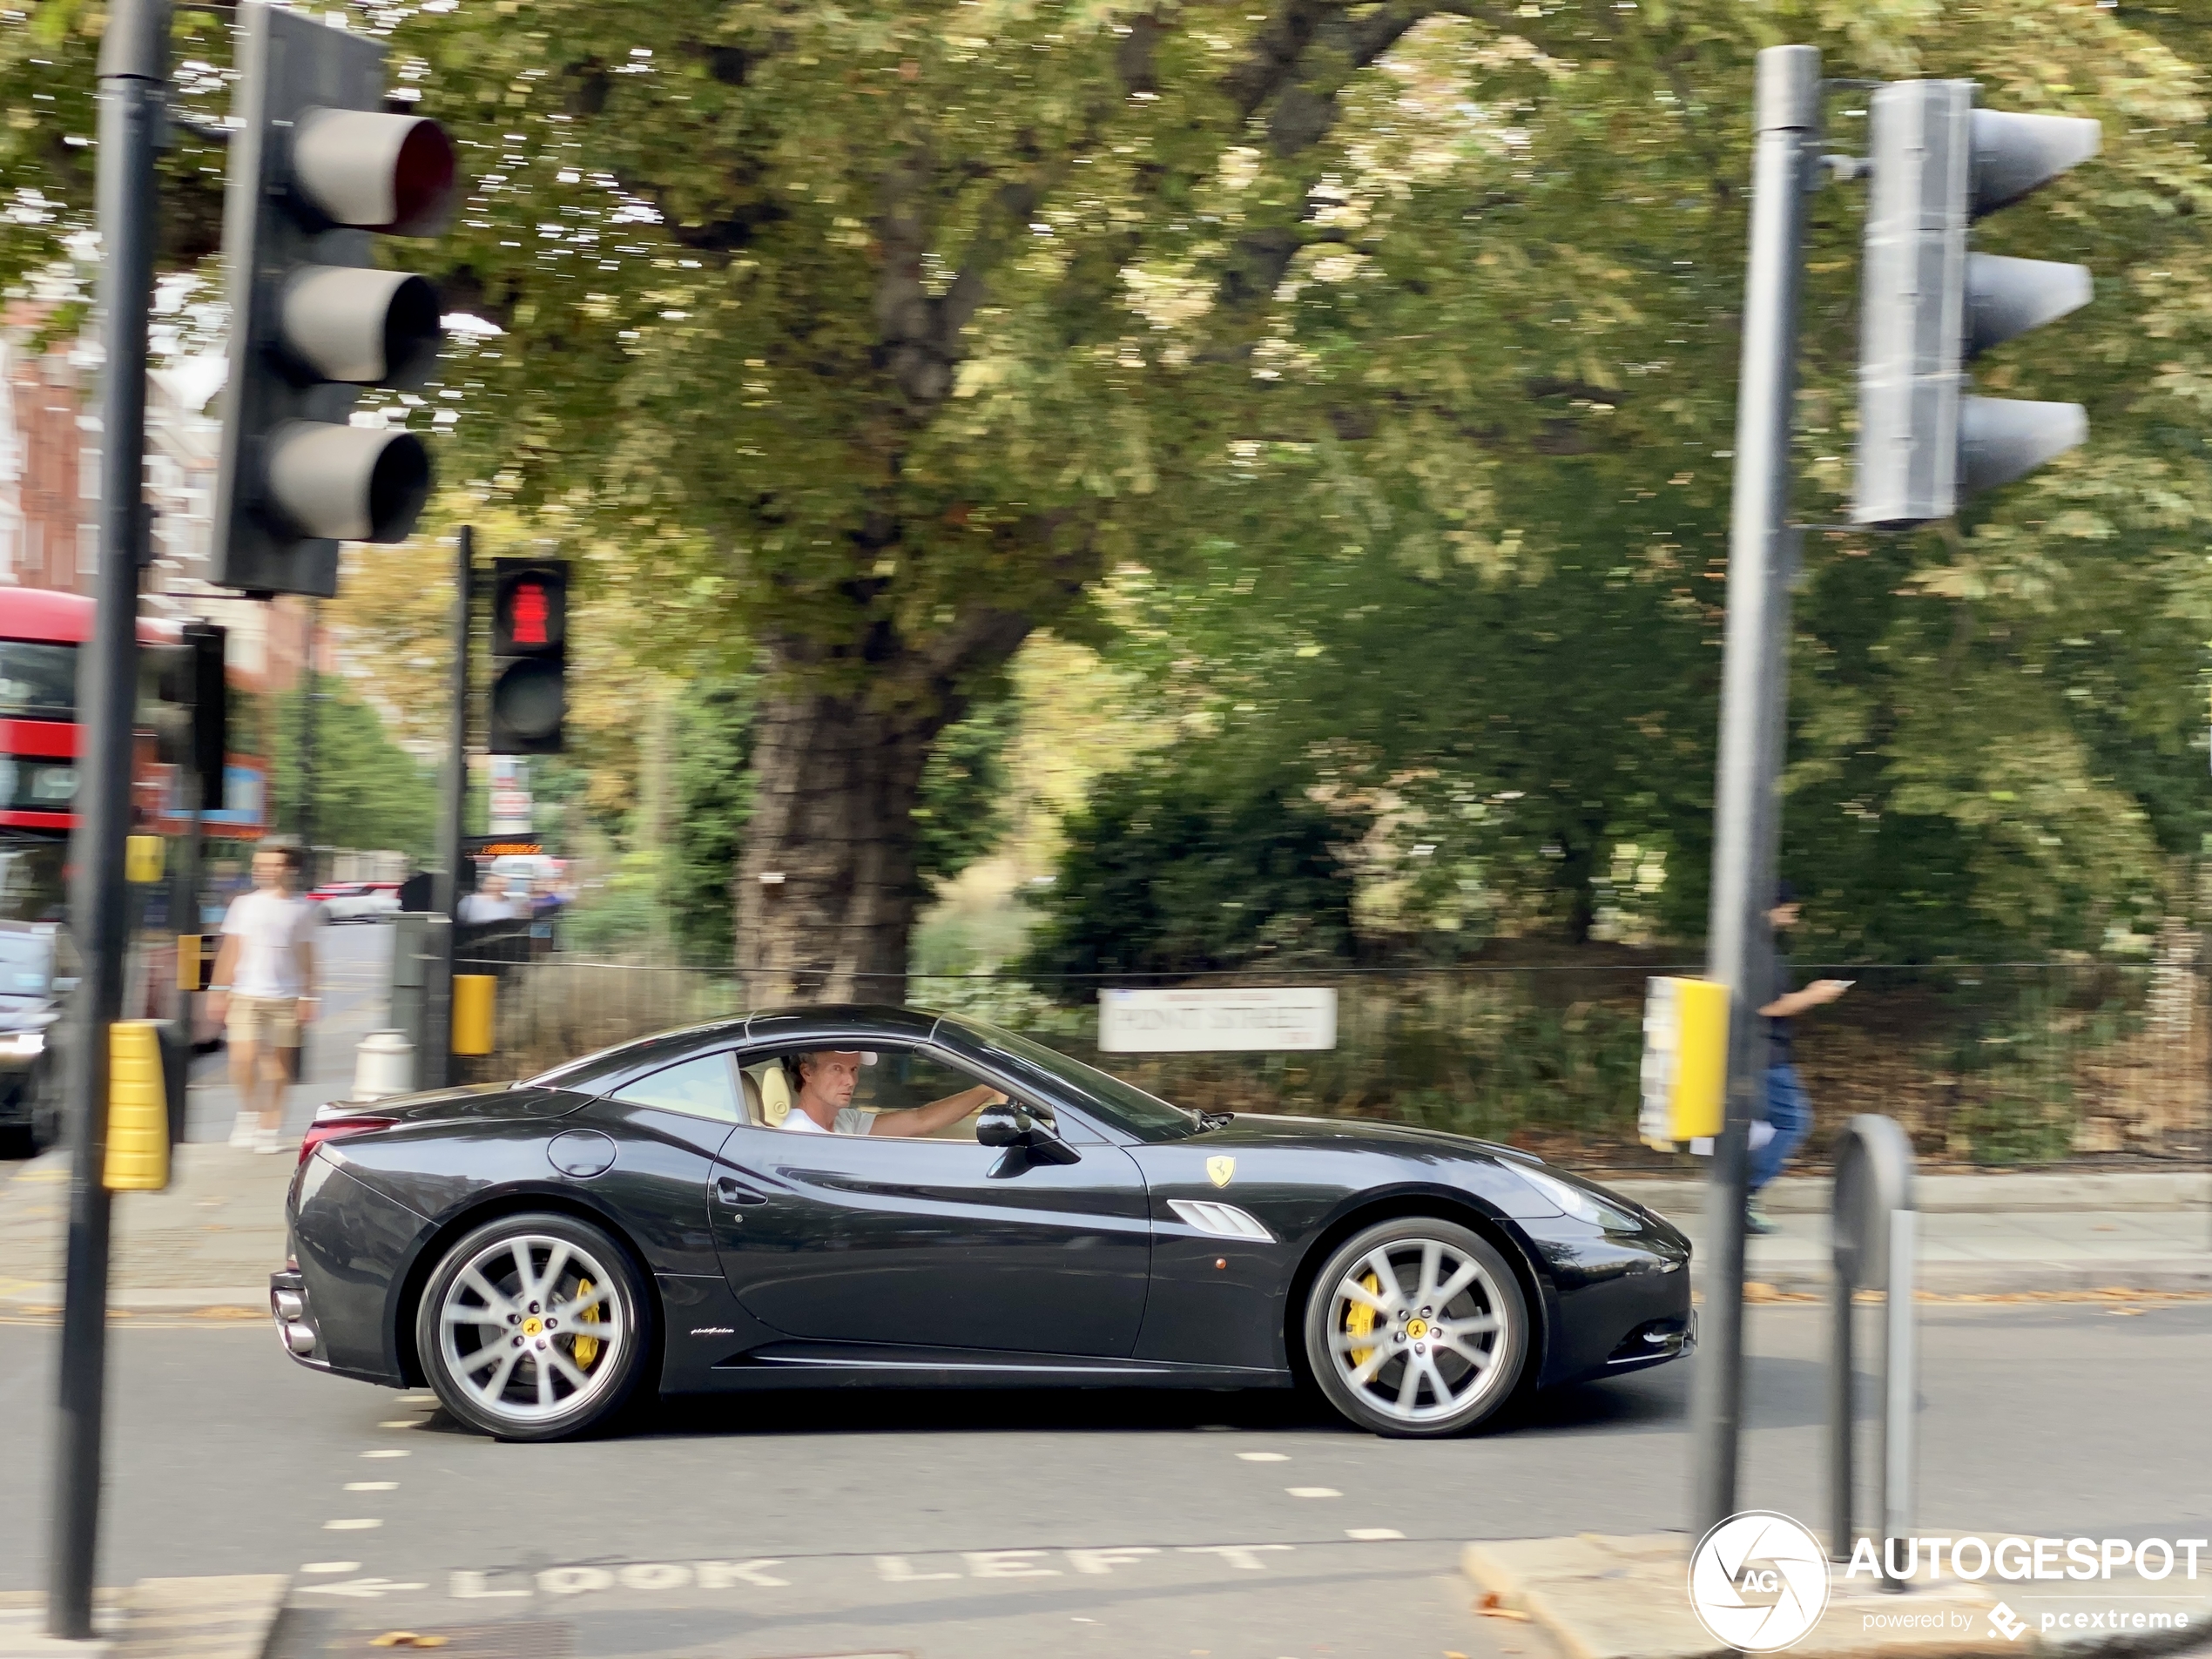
{"x": 1876, "y": 1237}
{"x": 383, "y": 1066}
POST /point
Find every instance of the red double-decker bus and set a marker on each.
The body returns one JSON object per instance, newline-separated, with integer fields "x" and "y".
{"x": 41, "y": 636}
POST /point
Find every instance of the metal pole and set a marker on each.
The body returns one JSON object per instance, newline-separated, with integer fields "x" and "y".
{"x": 1842, "y": 1426}
{"x": 1900, "y": 1377}
{"x": 435, "y": 1064}
{"x": 1787, "y": 125}
{"x": 134, "y": 55}
{"x": 306, "y": 820}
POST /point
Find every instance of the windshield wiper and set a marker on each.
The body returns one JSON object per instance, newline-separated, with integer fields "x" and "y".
{"x": 1214, "y": 1120}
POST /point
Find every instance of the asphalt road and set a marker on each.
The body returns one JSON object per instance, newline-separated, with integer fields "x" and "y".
{"x": 979, "y": 1525}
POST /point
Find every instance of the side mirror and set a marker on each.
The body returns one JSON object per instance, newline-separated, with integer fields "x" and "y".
{"x": 1005, "y": 1124}
{"x": 1028, "y": 1138}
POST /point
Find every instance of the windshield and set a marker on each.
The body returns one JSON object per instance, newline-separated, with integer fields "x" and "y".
{"x": 1125, "y": 1105}
{"x": 37, "y": 680}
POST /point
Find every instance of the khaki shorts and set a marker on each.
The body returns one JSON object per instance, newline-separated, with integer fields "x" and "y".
{"x": 265, "y": 1019}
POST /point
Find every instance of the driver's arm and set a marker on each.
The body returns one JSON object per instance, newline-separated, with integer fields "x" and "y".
{"x": 938, "y": 1113}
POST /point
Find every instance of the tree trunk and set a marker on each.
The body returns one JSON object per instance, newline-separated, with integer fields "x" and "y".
{"x": 826, "y": 893}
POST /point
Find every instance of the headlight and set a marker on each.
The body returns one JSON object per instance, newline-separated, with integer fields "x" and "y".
{"x": 1583, "y": 1206}
{"x": 23, "y": 1044}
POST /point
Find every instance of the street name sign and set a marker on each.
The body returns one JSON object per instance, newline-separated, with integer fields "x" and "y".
{"x": 1240, "y": 1021}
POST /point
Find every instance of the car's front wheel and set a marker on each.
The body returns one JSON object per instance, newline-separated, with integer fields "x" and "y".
{"x": 1416, "y": 1326}
{"x": 533, "y": 1327}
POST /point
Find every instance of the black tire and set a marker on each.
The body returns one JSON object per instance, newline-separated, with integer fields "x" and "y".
{"x": 537, "y": 1378}
{"x": 1465, "y": 1352}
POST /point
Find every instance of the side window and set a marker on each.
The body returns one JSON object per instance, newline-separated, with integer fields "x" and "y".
{"x": 705, "y": 1086}
{"x": 892, "y": 1080}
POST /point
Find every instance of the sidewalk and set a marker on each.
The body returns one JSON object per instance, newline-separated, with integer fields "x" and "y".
{"x": 211, "y": 1241}
{"x": 1990, "y": 1234}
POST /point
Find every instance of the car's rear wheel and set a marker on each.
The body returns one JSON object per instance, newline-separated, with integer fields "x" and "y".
{"x": 533, "y": 1327}
{"x": 1416, "y": 1327}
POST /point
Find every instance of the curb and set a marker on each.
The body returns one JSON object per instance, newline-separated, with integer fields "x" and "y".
{"x": 222, "y": 1302}
{"x": 2167, "y": 1275}
{"x": 1601, "y": 1597}
{"x": 160, "y": 1618}
{"x": 1797, "y": 1195}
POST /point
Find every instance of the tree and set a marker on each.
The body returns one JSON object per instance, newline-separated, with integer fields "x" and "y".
{"x": 369, "y": 794}
{"x": 883, "y": 336}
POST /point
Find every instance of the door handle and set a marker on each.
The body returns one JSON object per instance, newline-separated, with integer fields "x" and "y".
{"x": 734, "y": 1192}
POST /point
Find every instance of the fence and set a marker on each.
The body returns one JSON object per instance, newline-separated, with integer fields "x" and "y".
{"x": 2007, "y": 1064}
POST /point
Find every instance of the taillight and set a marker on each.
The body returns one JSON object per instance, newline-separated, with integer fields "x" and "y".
{"x": 336, "y": 1129}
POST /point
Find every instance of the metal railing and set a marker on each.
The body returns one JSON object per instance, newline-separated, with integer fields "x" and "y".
{"x": 2003, "y": 1064}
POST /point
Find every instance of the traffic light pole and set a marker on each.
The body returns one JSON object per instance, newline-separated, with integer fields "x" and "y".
{"x": 436, "y": 1064}
{"x": 133, "y": 66}
{"x": 1746, "y": 816}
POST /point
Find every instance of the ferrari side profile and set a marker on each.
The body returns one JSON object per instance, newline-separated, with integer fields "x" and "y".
{"x": 647, "y": 1218}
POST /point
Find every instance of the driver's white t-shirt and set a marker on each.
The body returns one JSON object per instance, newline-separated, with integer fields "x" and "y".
{"x": 851, "y": 1121}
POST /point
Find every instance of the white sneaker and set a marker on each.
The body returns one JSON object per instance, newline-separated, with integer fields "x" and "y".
{"x": 268, "y": 1140}
{"x": 242, "y": 1131}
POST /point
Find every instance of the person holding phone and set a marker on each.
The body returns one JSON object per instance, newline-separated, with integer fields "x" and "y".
{"x": 1789, "y": 1113}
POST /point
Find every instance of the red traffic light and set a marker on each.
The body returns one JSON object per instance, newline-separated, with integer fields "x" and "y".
{"x": 529, "y": 607}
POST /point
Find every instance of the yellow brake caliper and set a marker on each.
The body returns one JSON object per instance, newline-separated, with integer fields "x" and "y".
{"x": 1360, "y": 1320}
{"x": 586, "y": 1349}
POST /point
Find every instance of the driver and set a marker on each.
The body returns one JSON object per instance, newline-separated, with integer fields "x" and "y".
{"x": 823, "y": 1082}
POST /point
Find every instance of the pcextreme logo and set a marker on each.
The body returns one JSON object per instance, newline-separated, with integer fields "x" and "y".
{"x": 1759, "y": 1581}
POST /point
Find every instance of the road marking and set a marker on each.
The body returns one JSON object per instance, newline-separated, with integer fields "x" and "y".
{"x": 897, "y": 1569}
{"x": 1313, "y": 1491}
{"x": 402, "y": 1422}
{"x": 1244, "y": 1556}
{"x": 1265, "y": 1457}
{"x": 1105, "y": 1561}
{"x": 1005, "y": 1563}
{"x": 367, "y": 1589}
{"x": 1373, "y": 1534}
{"x": 388, "y": 1452}
{"x": 371, "y": 1486}
{"x": 350, "y": 1526}
{"x": 332, "y": 1566}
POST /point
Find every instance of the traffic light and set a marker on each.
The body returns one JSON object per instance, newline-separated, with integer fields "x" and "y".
{"x": 1929, "y": 305}
{"x": 188, "y": 706}
{"x": 529, "y": 653}
{"x": 317, "y": 169}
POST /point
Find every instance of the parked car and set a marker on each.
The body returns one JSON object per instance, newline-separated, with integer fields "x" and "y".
{"x": 356, "y": 900}
{"x": 30, "y": 1010}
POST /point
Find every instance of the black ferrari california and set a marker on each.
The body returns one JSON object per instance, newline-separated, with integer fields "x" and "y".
{"x": 699, "y": 1210}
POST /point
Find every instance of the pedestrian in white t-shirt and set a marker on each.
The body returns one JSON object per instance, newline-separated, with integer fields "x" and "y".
{"x": 264, "y": 989}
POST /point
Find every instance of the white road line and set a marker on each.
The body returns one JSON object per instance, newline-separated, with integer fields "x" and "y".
{"x": 402, "y": 1422}
{"x": 371, "y": 1486}
{"x": 332, "y": 1566}
{"x": 388, "y": 1452}
{"x": 1313, "y": 1491}
{"x": 1265, "y": 1457}
{"x": 350, "y": 1526}
{"x": 1371, "y": 1534}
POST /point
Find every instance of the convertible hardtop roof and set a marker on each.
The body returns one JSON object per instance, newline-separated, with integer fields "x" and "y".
{"x": 841, "y": 1019}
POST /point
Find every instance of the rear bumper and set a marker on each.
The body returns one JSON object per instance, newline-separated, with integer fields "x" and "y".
{"x": 296, "y": 1329}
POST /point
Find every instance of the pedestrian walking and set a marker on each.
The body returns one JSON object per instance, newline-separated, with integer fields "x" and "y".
{"x": 1788, "y": 1113}
{"x": 263, "y": 991}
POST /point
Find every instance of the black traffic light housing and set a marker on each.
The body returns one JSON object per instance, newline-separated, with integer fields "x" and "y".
{"x": 317, "y": 169}
{"x": 191, "y": 708}
{"x": 530, "y": 652}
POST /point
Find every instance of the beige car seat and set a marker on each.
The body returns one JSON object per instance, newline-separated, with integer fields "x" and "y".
{"x": 754, "y": 1112}
{"x": 775, "y": 1094}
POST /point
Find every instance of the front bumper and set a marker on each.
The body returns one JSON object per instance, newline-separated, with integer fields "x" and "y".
{"x": 295, "y": 1320}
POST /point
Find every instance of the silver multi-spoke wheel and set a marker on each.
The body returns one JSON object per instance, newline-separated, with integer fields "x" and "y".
{"x": 531, "y": 1329}
{"x": 1416, "y": 1327}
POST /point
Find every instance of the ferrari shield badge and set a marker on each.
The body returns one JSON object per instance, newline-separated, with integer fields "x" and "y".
{"x": 1219, "y": 1170}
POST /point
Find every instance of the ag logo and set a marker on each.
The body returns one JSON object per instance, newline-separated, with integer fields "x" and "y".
{"x": 1759, "y": 1581}
{"x": 1219, "y": 1170}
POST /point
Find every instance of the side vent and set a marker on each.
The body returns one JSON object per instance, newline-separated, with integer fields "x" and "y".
{"x": 1223, "y": 1220}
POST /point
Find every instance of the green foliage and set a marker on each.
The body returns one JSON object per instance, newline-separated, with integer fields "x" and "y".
{"x": 713, "y": 800}
{"x": 1182, "y": 867}
{"x": 369, "y": 794}
{"x": 960, "y": 813}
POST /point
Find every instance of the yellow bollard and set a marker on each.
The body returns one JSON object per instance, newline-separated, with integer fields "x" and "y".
{"x": 191, "y": 966}
{"x": 474, "y": 998}
{"x": 138, "y": 1109}
{"x": 142, "y": 860}
{"x": 1685, "y": 1060}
